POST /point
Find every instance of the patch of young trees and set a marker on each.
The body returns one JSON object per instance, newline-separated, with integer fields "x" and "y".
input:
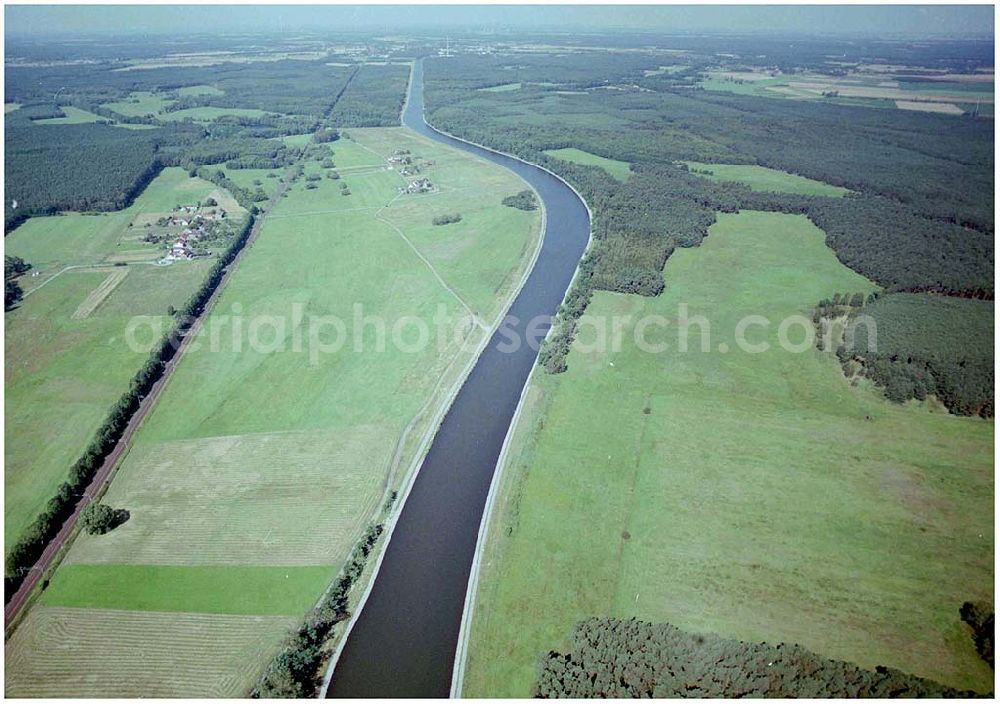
{"x": 525, "y": 200}
{"x": 612, "y": 658}
{"x": 29, "y": 545}
{"x": 295, "y": 672}
{"x": 447, "y": 219}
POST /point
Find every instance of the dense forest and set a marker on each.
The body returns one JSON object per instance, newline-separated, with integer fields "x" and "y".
{"x": 374, "y": 97}
{"x": 925, "y": 344}
{"x": 612, "y": 658}
{"x": 73, "y": 167}
{"x": 101, "y": 166}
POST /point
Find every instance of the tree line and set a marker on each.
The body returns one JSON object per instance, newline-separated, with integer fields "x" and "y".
{"x": 613, "y": 658}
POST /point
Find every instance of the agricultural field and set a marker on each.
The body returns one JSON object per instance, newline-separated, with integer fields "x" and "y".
{"x": 636, "y": 487}
{"x": 243, "y": 508}
{"x": 67, "y": 359}
{"x": 860, "y": 87}
{"x": 761, "y": 178}
{"x": 614, "y": 167}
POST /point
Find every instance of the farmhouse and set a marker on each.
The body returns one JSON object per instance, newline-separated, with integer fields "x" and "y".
{"x": 421, "y": 185}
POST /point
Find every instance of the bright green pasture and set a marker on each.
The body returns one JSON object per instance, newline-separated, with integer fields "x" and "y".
{"x": 762, "y": 497}
{"x": 74, "y": 116}
{"x": 11, "y": 107}
{"x": 266, "y": 591}
{"x": 761, "y": 178}
{"x": 349, "y": 154}
{"x": 62, "y": 373}
{"x": 617, "y": 169}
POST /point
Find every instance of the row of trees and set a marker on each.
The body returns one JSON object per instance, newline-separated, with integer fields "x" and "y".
{"x": 612, "y": 658}
{"x": 294, "y": 672}
{"x": 29, "y": 545}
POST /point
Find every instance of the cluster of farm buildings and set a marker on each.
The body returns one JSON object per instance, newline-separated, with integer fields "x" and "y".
{"x": 193, "y": 229}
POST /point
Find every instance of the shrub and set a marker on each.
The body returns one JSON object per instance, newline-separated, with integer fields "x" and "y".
{"x": 525, "y": 200}
{"x": 98, "y": 519}
{"x": 447, "y": 219}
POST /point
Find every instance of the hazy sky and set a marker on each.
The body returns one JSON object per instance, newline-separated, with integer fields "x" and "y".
{"x": 909, "y": 20}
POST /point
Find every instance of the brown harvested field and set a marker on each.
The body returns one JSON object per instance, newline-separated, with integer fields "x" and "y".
{"x": 60, "y": 651}
{"x": 943, "y": 108}
{"x": 99, "y": 294}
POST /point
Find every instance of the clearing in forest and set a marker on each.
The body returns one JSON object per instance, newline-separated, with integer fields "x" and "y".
{"x": 761, "y": 178}
{"x": 614, "y": 167}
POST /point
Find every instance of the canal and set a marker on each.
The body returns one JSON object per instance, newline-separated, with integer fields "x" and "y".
{"x": 403, "y": 642}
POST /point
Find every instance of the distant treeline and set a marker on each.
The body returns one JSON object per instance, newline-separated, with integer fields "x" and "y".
{"x": 28, "y": 547}
{"x": 612, "y": 658}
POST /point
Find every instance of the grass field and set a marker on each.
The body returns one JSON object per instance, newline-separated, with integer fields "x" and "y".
{"x": 264, "y": 591}
{"x": 67, "y": 359}
{"x": 261, "y": 462}
{"x": 618, "y": 169}
{"x": 761, "y": 178}
{"x": 762, "y": 497}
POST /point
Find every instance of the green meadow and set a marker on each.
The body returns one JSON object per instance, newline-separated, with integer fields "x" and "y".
{"x": 617, "y": 169}
{"x": 761, "y": 178}
{"x": 263, "y": 463}
{"x": 231, "y": 589}
{"x": 62, "y": 372}
{"x": 757, "y": 495}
